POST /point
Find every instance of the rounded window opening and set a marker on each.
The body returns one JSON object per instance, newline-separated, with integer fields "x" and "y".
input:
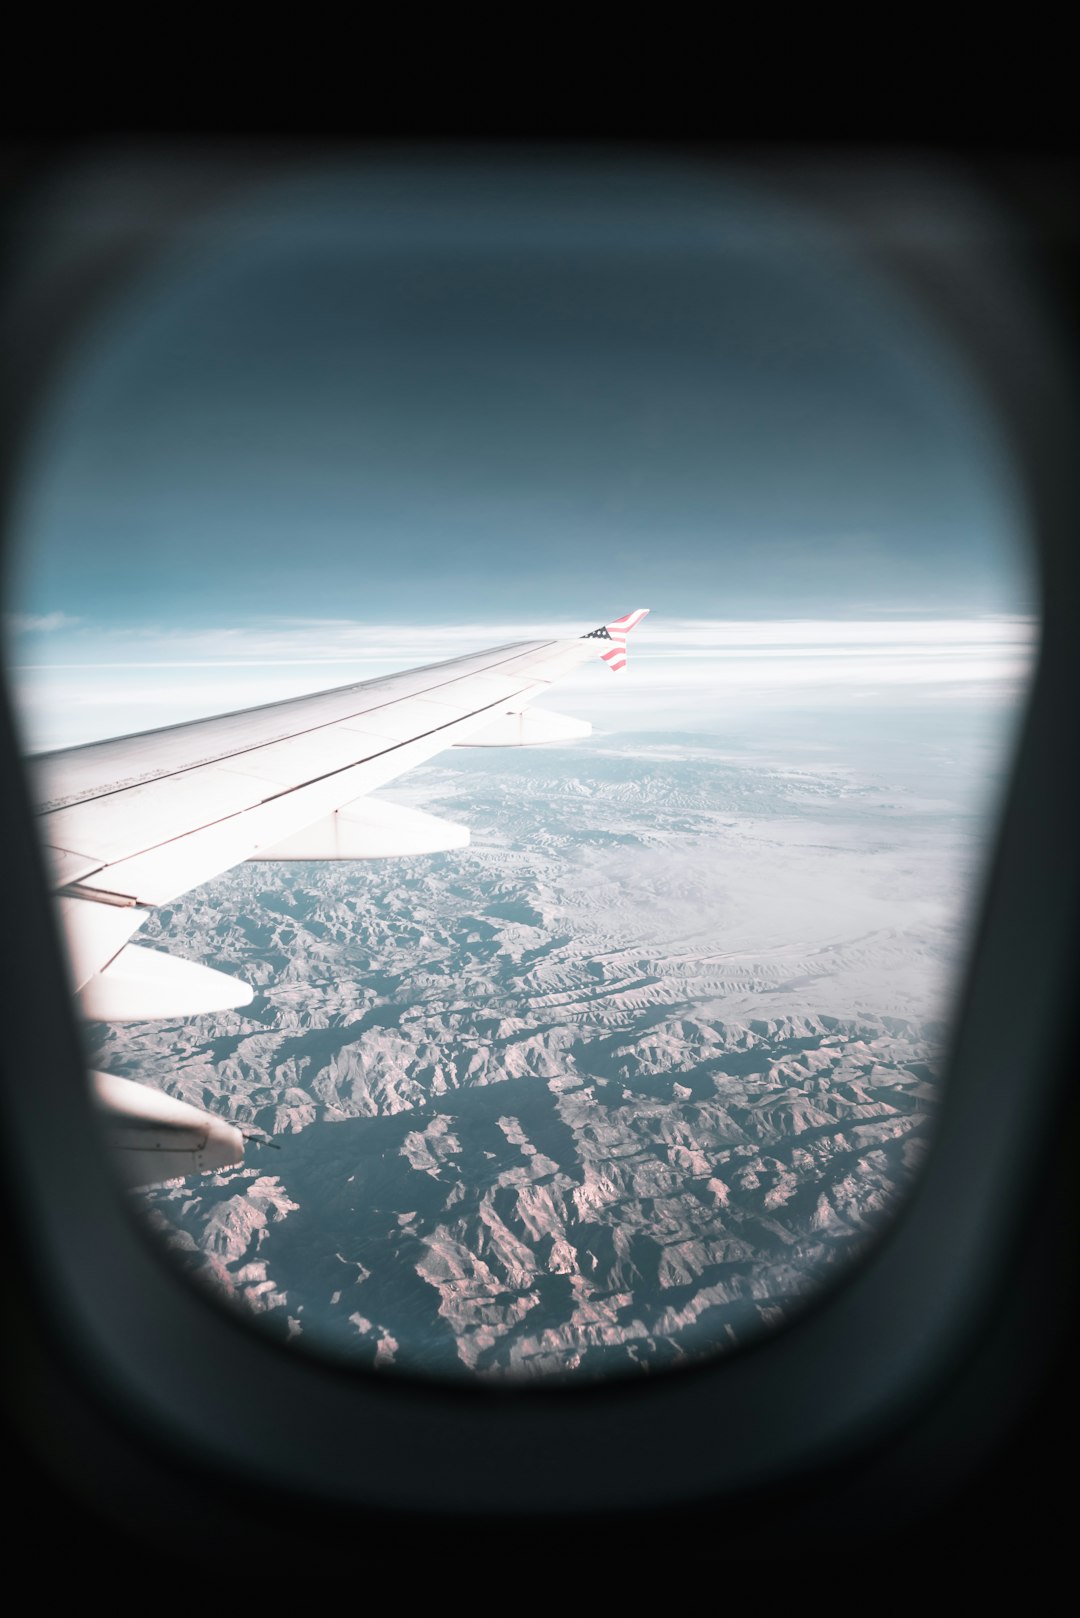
{"x": 597, "y": 1053}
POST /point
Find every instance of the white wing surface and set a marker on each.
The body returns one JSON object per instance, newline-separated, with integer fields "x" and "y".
{"x": 133, "y": 823}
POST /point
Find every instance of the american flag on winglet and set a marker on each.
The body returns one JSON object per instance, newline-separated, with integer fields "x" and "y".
{"x": 616, "y": 633}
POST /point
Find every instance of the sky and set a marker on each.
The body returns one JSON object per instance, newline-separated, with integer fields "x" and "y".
{"x": 366, "y": 417}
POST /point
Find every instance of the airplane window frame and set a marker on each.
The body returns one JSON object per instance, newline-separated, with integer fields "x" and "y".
{"x": 863, "y": 1357}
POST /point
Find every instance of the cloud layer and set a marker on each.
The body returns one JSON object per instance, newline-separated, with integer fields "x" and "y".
{"x": 683, "y": 673}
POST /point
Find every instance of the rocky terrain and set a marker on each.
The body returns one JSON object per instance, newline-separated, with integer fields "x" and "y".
{"x": 620, "y": 1083}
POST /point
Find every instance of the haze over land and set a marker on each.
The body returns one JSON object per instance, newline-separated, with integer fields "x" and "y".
{"x": 635, "y": 1072}
{"x": 620, "y": 1082}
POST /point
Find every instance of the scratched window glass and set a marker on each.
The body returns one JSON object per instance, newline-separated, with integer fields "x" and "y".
{"x": 513, "y": 982}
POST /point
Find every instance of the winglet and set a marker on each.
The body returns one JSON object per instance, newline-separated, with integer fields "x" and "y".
{"x": 615, "y": 654}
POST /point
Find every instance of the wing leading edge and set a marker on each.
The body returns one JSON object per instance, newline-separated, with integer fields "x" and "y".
{"x": 133, "y": 823}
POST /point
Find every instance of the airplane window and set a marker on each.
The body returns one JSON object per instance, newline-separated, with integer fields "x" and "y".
{"x": 540, "y": 1049}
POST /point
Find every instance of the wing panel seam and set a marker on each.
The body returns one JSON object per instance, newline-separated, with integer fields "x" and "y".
{"x": 285, "y": 792}
{"x": 56, "y": 805}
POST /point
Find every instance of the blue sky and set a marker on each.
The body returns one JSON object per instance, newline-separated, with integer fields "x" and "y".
{"x": 478, "y": 395}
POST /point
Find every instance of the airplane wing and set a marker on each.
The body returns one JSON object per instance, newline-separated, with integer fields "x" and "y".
{"x": 131, "y": 824}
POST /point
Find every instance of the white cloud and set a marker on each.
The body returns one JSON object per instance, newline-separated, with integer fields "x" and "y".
{"x": 682, "y": 673}
{"x": 29, "y": 623}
